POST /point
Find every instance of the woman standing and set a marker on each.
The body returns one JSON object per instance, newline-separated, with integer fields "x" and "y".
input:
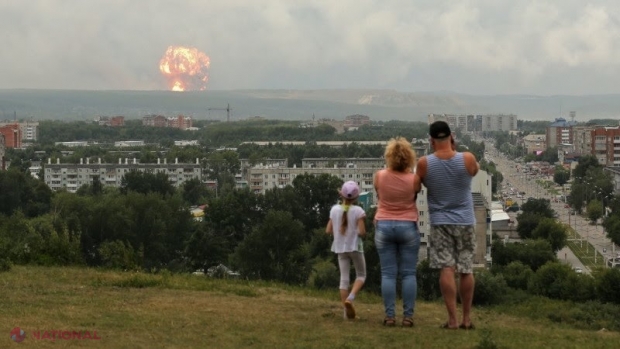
{"x": 396, "y": 235}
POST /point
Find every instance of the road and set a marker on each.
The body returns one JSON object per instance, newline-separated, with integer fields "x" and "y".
{"x": 594, "y": 234}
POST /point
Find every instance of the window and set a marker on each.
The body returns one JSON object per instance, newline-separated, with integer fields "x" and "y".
{"x": 421, "y": 224}
{"x": 421, "y": 213}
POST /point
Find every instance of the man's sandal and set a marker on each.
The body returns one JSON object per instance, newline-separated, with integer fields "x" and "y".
{"x": 407, "y": 322}
{"x": 389, "y": 322}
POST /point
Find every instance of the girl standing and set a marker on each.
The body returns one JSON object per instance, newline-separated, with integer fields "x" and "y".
{"x": 347, "y": 224}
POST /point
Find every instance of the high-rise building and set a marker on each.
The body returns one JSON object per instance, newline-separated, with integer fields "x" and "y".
{"x": 560, "y": 132}
{"x": 12, "y": 135}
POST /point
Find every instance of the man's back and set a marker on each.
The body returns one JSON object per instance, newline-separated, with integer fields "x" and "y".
{"x": 448, "y": 181}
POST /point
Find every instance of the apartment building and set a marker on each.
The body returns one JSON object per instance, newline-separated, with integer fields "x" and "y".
{"x": 2, "y": 151}
{"x": 456, "y": 122}
{"x": 499, "y": 122}
{"x": 534, "y": 143}
{"x": 560, "y": 132}
{"x": 582, "y": 139}
{"x": 12, "y": 135}
{"x": 73, "y": 176}
{"x": 114, "y": 121}
{"x": 181, "y": 122}
{"x": 29, "y": 129}
{"x": 474, "y": 123}
{"x": 606, "y": 146}
{"x": 355, "y": 121}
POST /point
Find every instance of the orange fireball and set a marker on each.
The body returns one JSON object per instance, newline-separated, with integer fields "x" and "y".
{"x": 185, "y": 68}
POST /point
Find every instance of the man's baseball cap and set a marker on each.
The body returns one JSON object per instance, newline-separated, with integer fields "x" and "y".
{"x": 350, "y": 190}
{"x": 439, "y": 130}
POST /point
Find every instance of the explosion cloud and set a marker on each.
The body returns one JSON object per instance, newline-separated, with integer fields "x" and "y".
{"x": 185, "y": 68}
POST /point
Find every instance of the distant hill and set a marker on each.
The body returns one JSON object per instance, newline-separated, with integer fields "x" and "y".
{"x": 295, "y": 104}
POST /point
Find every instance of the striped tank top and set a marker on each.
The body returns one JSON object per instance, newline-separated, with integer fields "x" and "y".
{"x": 449, "y": 191}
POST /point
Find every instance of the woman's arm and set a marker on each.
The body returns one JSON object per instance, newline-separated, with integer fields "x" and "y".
{"x": 330, "y": 228}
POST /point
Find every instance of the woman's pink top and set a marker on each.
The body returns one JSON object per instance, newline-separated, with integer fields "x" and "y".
{"x": 396, "y": 196}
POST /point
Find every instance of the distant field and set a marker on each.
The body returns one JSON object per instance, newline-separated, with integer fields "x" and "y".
{"x": 129, "y": 310}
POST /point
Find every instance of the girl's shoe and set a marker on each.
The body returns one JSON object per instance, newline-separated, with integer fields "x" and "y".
{"x": 349, "y": 309}
{"x": 389, "y": 322}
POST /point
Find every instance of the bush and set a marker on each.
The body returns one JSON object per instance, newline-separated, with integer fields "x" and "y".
{"x": 517, "y": 275}
{"x": 5, "y": 265}
{"x": 117, "y": 255}
{"x": 490, "y": 289}
{"x": 428, "y": 281}
{"x": 607, "y": 286}
{"x": 324, "y": 275}
{"x": 559, "y": 281}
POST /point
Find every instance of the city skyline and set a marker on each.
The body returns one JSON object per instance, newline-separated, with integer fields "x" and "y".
{"x": 475, "y": 47}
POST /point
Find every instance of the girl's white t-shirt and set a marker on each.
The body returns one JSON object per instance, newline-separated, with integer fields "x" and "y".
{"x": 349, "y": 242}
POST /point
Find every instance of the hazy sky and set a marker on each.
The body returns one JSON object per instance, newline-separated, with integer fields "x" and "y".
{"x": 477, "y": 47}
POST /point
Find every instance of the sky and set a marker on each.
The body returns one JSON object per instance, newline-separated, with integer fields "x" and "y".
{"x": 542, "y": 47}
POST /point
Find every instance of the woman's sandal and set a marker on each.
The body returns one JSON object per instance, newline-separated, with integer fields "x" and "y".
{"x": 407, "y": 322}
{"x": 389, "y": 322}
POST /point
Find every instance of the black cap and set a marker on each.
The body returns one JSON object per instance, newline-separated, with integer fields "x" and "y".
{"x": 439, "y": 130}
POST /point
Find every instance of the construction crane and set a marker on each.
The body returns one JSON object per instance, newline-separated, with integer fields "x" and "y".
{"x": 228, "y": 111}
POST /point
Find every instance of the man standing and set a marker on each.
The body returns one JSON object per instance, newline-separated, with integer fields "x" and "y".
{"x": 447, "y": 175}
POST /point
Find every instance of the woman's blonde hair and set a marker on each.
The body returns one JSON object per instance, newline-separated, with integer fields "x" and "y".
{"x": 399, "y": 155}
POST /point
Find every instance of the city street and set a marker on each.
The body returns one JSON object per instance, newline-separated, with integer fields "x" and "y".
{"x": 521, "y": 182}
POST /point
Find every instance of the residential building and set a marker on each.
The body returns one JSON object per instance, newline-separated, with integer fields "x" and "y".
{"x": 155, "y": 121}
{"x": 180, "y": 121}
{"x": 125, "y": 144}
{"x": 582, "y": 139}
{"x": 73, "y": 176}
{"x": 499, "y": 122}
{"x": 456, "y": 122}
{"x": 114, "y": 121}
{"x": 534, "y": 143}
{"x": 355, "y": 121}
{"x": 12, "y": 135}
{"x": 186, "y": 143}
{"x": 559, "y": 132}
{"x": 606, "y": 146}
{"x": 474, "y": 123}
{"x": 2, "y": 151}
{"x": 29, "y": 129}
{"x": 73, "y": 144}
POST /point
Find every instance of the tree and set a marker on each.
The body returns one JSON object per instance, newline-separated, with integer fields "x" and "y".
{"x": 206, "y": 248}
{"x": 533, "y": 253}
{"x": 552, "y": 231}
{"x": 607, "y": 285}
{"x": 561, "y": 175}
{"x": 317, "y": 194}
{"x": 144, "y": 183}
{"x": 275, "y": 250}
{"x": 557, "y": 280}
{"x": 194, "y": 192}
{"x": 595, "y": 210}
{"x": 584, "y": 164}
{"x": 527, "y": 223}
{"x": 541, "y": 207}
{"x": 612, "y": 227}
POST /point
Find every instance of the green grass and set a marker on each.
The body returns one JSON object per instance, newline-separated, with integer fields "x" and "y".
{"x": 584, "y": 250}
{"x": 136, "y": 310}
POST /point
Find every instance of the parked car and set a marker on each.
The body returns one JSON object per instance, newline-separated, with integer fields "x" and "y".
{"x": 578, "y": 270}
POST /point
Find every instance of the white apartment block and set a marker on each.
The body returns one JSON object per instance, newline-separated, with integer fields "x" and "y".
{"x": 499, "y": 122}
{"x": 73, "y": 176}
{"x": 456, "y": 122}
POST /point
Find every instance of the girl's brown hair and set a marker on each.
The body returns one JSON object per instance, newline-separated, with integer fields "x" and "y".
{"x": 399, "y": 155}
{"x": 346, "y": 203}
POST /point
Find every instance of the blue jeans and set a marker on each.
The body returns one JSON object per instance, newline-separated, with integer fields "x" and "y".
{"x": 398, "y": 244}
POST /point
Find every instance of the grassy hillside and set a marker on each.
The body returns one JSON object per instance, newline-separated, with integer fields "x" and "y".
{"x": 130, "y": 310}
